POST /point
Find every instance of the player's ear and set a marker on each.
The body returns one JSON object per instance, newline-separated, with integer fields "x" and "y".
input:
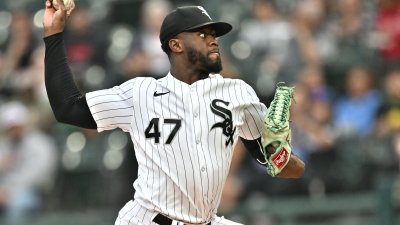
{"x": 175, "y": 45}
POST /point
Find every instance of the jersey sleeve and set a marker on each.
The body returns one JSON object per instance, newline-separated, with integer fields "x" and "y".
{"x": 253, "y": 114}
{"x": 112, "y": 108}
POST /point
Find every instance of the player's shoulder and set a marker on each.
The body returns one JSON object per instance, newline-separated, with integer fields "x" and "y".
{"x": 139, "y": 81}
{"x": 228, "y": 79}
{"x": 237, "y": 82}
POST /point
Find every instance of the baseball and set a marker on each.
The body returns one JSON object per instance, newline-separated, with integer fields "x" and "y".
{"x": 67, "y": 3}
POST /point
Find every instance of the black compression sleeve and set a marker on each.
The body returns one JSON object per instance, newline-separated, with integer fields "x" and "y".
{"x": 68, "y": 104}
{"x": 254, "y": 148}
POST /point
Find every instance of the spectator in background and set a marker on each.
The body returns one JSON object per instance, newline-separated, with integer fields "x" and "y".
{"x": 28, "y": 84}
{"x": 388, "y": 124}
{"x": 312, "y": 42}
{"x": 311, "y": 113}
{"x": 86, "y": 46}
{"x": 18, "y": 47}
{"x": 354, "y": 113}
{"x": 146, "y": 48}
{"x": 350, "y": 28}
{"x": 388, "y": 15}
{"x": 390, "y": 108}
{"x": 354, "y": 117}
{"x": 268, "y": 49}
{"x": 27, "y": 164}
{"x": 312, "y": 135}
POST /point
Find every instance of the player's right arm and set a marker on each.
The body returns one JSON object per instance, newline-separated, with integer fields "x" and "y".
{"x": 67, "y": 102}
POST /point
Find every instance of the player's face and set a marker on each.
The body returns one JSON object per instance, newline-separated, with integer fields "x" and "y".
{"x": 202, "y": 50}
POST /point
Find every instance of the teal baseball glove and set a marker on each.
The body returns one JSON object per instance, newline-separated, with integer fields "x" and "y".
{"x": 276, "y": 131}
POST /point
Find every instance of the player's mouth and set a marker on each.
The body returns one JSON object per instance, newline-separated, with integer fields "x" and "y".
{"x": 214, "y": 53}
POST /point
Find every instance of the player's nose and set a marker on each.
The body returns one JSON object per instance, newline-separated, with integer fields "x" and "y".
{"x": 213, "y": 41}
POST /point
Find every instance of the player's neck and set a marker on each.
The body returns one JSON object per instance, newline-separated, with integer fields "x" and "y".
{"x": 188, "y": 76}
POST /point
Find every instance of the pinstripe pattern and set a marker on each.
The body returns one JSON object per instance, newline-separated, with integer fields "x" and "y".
{"x": 134, "y": 214}
{"x": 182, "y": 179}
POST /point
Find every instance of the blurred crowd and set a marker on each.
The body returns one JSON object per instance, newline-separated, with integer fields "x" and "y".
{"x": 342, "y": 56}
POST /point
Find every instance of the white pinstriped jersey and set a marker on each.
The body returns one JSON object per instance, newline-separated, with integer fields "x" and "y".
{"x": 183, "y": 135}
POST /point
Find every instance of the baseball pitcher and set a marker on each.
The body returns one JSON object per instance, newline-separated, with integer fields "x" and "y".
{"x": 184, "y": 126}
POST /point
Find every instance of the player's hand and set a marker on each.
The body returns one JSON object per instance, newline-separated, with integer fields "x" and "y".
{"x": 54, "y": 20}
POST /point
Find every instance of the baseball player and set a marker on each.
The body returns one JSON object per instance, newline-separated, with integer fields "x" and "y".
{"x": 184, "y": 126}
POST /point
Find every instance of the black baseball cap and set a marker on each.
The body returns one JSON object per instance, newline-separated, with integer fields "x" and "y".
{"x": 188, "y": 18}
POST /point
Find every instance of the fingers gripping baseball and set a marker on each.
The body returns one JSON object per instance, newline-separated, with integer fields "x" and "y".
{"x": 64, "y": 4}
{"x": 55, "y": 16}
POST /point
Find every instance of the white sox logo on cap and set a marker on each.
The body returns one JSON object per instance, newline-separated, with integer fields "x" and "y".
{"x": 204, "y": 11}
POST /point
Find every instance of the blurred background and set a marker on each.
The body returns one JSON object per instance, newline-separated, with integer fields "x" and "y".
{"x": 343, "y": 56}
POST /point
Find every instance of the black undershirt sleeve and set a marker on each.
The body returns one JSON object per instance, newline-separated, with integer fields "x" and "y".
{"x": 68, "y": 104}
{"x": 254, "y": 147}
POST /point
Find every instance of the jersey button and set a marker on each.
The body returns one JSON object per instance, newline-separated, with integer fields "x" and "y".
{"x": 197, "y": 141}
{"x": 203, "y": 169}
{"x": 196, "y": 115}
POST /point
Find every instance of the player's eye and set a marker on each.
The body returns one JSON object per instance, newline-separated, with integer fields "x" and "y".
{"x": 203, "y": 35}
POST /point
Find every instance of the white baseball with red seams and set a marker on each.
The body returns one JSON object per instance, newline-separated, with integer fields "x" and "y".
{"x": 67, "y": 3}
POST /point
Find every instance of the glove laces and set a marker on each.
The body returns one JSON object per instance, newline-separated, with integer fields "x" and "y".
{"x": 278, "y": 113}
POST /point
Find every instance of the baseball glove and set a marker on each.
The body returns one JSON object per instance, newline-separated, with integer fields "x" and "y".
{"x": 276, "y": 131}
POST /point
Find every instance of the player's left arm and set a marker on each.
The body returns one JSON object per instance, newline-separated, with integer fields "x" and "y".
{"x": 250, "y": 130}
{"x": 293, "y": 169}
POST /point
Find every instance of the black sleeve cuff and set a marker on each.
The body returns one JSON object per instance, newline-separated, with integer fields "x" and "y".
{"x": 254, "y": 147}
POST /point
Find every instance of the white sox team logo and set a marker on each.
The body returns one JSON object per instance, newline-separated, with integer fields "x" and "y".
{"x": 227, "y": 124}
{"x": 204, "y": 11}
